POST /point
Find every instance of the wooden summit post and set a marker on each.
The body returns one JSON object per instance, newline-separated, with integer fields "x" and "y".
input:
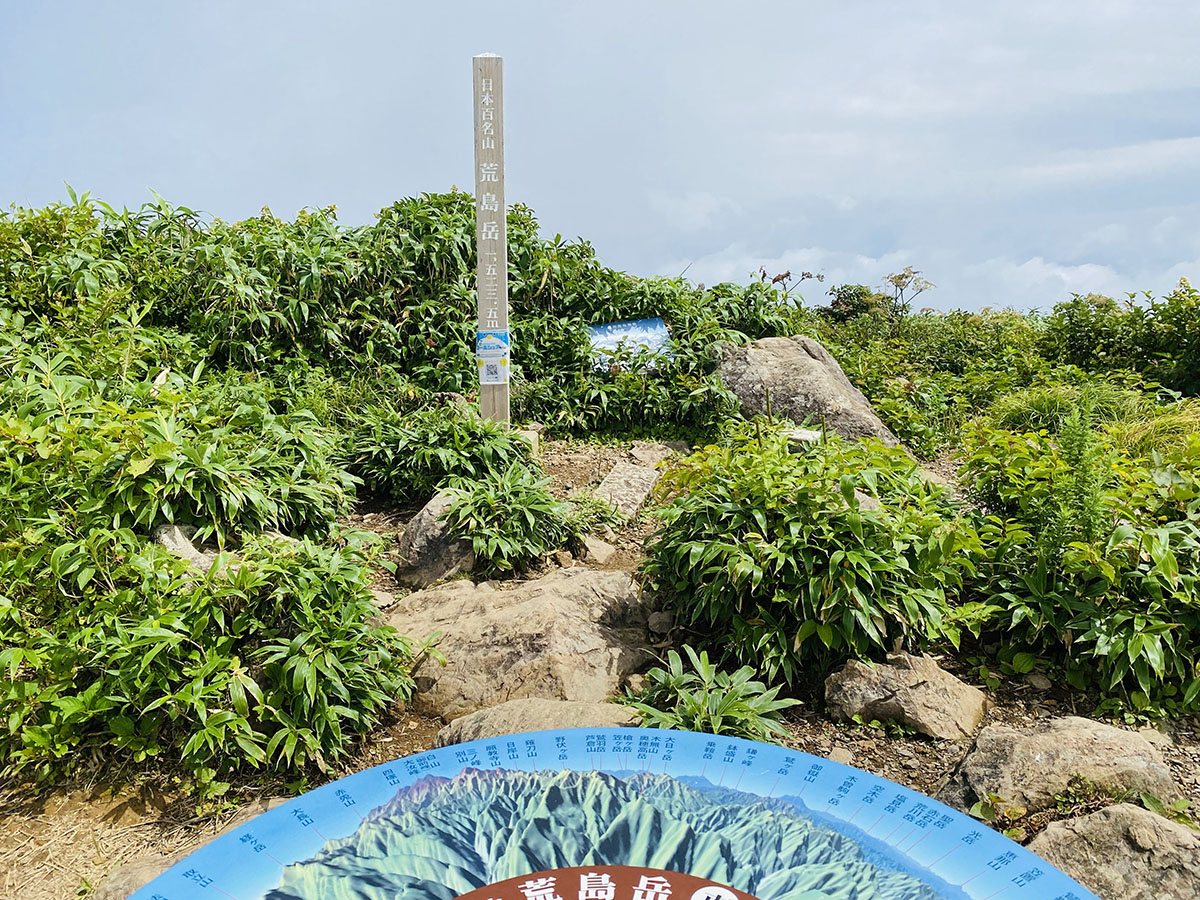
{"x": 492, "y": 344}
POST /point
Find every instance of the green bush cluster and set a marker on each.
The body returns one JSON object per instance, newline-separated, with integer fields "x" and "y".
{"x": 928, "y": 374}
{"x": 409, "y": 457}
{"x": 274, "y": 661}
{"x": 394, "y": 298}
{"x": 1091, "y": 558}
{"x": 1159, "y": 337}
{"x": 774, "y": 554}
{"x": 111, "y": 647}
{"x": 510, "y": 518}
{"x": 1072, "y": 551}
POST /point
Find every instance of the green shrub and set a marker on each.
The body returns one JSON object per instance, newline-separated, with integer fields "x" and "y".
{"x": 1121, "y": 612}
{"x": 929, "y": 373}
{"x": 1158, "y": 337}
{"x": 110, "y": 648}
{"x": 853, "y": 300}
{"x": 159, "y": 453}
{"x": 1091, "y": 560}
{"x": 275, "y": 662}
{"x": 510, "y": 518}
{"x": 410, "y": 456}
{"x": 771, "y": 554}
{"x": 709, "y": 700}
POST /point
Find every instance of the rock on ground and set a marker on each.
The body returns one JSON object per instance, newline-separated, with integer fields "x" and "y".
{"x": 803, "y": 382}
{"x": 534, "y": 714}
{"x": 626, "y": 487}
{"x": 428, "y": 552}
{"x": 911, "y": 690}
{"x": 573, "y": 634}
{"x": 1027, "y": 767}
{"x": 1124, "y": 852}
{"x": 841, "y": 755}
{"x": 178, "y": 540}
{"x": 137, "y": 873}
{"x": 600, "y": 552}
{"x": 661, "y": 622}
{"x": 649, "y": 453}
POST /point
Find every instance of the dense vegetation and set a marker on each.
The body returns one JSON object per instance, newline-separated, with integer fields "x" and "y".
{"x": 245, "y": 380}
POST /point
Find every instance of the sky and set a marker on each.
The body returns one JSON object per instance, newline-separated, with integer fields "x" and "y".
{"x": 1013, "y": 152}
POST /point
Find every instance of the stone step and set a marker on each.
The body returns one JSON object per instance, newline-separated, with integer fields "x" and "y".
{"x": 626, "y": 487}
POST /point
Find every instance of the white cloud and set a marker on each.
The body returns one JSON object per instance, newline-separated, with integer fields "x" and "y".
{"x": 693, "y": 210}
{"x": 1150, "y": 158}
{"x": 1014, "y": 152}
{"x": 1037, "y": 282}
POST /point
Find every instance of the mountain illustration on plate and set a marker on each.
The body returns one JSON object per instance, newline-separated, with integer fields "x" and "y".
{"x": 442, "y": 837}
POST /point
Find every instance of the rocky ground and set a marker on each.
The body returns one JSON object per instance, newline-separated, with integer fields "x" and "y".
{"x": 62, "y": 844}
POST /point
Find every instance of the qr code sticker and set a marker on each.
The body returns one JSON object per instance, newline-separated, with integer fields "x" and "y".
{"x": 493, "y": 371}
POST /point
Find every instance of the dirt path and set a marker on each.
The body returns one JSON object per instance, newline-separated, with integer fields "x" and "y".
{"x": 60, "y": 845}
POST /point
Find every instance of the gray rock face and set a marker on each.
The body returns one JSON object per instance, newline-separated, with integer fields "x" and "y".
{"x": 912, "y": 690}
{"x": 803, "y": 381}
{"x": 626, "y": 487}
{"x": 140, "y": 871}
{"x": 178, "y": 540}
{"x": 1027, "y": 767}
{"x": 573, "y": 634}
{"x": 428, "y": 551}
{"x": 600, "y": 552}
{"x": 533, "y": 714}
{"x": 661, "y": 622}
{"x": 1124, "y": 852}
{"x": 650, "y": 454}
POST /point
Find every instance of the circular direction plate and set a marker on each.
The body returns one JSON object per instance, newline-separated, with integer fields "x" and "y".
{"x": 745, "y": 817}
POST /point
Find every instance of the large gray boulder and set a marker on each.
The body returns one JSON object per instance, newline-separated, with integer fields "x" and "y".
{"x": 535, "y": 714}
{"x": 911, "y": 690}
{"x": 573, "y": 634}
{"x": 803, "y": 382}
{"x": 1124, "y": 852}
{"x": 1027, "y": 767}
{"x": 428, "y": 551}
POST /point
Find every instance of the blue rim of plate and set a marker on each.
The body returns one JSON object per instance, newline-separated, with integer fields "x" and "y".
{"x": 922, "y": 848}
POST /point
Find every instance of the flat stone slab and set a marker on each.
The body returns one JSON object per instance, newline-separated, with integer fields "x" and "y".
{"x": 1125, "y": 851}
{"x": 626, "y": 487}
{"x": 648, "y": 453}
{"x": 574, "y": 634}
{"x": 534, "y": 714}
{"x": 1026, "y": 767}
